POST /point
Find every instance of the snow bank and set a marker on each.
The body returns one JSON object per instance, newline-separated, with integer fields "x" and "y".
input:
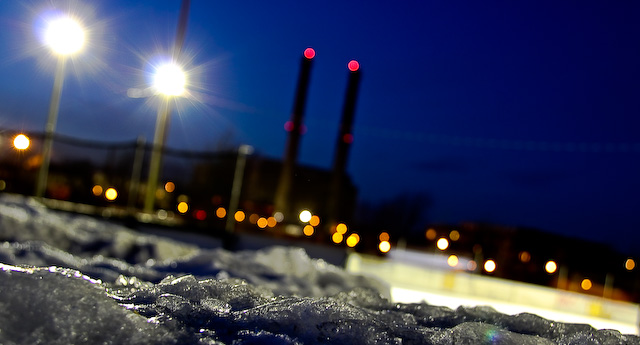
{"x": 73, "y": 279}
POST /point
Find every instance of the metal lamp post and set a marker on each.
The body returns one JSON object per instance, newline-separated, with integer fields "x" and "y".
{"x": 64, "y": 36}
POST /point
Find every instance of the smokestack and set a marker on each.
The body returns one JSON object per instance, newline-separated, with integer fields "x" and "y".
{"x": 344, "y": 140}
{"x": 295, "y": 127}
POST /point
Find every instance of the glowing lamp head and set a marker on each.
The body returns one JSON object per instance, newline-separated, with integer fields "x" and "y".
{"x": 64, "y": 35}
{"x": 353, "y": 65}
{"x": 309, "y": 53}
{"x": 169, "y": 80}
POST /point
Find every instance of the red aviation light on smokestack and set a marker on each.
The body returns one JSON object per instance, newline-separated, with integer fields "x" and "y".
{"x": 353, "y": 65}
{"x": 309, "y": 53}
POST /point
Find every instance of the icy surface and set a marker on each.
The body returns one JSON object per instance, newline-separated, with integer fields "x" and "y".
{"x": 72, "y": 279}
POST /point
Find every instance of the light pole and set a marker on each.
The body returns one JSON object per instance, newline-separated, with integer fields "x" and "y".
{"x": 169, "y": 81}
{"x": 64, "y": 36}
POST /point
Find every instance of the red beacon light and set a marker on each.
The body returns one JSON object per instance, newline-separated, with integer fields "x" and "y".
{"x": 309, "y": 53}
{"x": 353, "y": 65}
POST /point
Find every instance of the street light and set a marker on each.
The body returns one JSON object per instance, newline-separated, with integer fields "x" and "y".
{"x": 169, "y": 80}
{"x": 64, "y": 36}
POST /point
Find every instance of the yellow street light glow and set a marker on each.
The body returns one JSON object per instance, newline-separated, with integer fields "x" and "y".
{"x": 221, "y": 212}
{"x": 630, "y": 264}
{"x": 169, "y": 80}
{"x": 21, "y": 142}
{"x": 111, "y": 194}
{"x": 442, "y": 243}
{"x": 169, "y": 187}
{"x": 341, "y": 228}
{"x": 262, "y": 222}
{"x": 586, "y": 284}
{"x": 239, "y": 216}
{"x": 353, "y": 240}
{"x": 314, "y": 221}
{"x": 308, "y": 230}
{"x": 337, "y": 237}
{"x": 305, "y": 216}
{"x": 384, "y": 246}
{"x": 64, "y": 35}
{"x": 384, "y": 236}
{"x": 452, "y": 260}
{"x": 183, "y": 207}
{"x": 490, "y": 266}
{"x": 551, "y": 267}
{"x": 272, "y": 222}
{"x": 96, "y": 190}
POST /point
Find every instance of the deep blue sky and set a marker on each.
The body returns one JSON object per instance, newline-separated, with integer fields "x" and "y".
{"x": 517, "y": 113}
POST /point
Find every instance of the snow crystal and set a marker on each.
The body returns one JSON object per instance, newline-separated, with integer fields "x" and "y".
{"x": 73, "y": 279}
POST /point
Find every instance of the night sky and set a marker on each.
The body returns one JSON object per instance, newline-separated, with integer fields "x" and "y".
{"x": 522, "y": 113}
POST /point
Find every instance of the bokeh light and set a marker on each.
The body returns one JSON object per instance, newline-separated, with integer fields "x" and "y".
{"x": 383, "y": 236}
{"x": 454, "y": 235}
{"x": 314, "y": 221}
{"x": 272, "y": 222}
{"x": 96, "y": 190}
{"x": 262, "y": 222}
{"x": 452, "y": 260}
{"x": 442, "y": 243}
{"x": 524, "y": 256}
{"x": 586, "y": 284}
{"x": 169, "y": 187}
{"x": 384, "y": 246}
{"x": 353, "y": 65}
{"x": 239, "y": 216}
{"x": 200, "y": 214}
{"x": 353, "y": 240}
{"x": 221, "y": 212}
{"x": 337, "y": 237}
{"x": 341, "y": 228}
{"x": 309, "y": 53}
{"x": 550, "y": 267}
{"x": 629, "y": 264}
{"x": 111, "y": 194}
{"x": 490, "y": 266}
{"x": 431, "y": 234}
{"x": 305, "y": 216}
{"x": 21, "y": 142}
{"x": 183, "y": 207}
{"x": 308, "y": 230}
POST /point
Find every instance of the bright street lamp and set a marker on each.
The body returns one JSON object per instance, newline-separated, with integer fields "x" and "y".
{"x": 64, "y": 36}
{"x": 169, "y": 80}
